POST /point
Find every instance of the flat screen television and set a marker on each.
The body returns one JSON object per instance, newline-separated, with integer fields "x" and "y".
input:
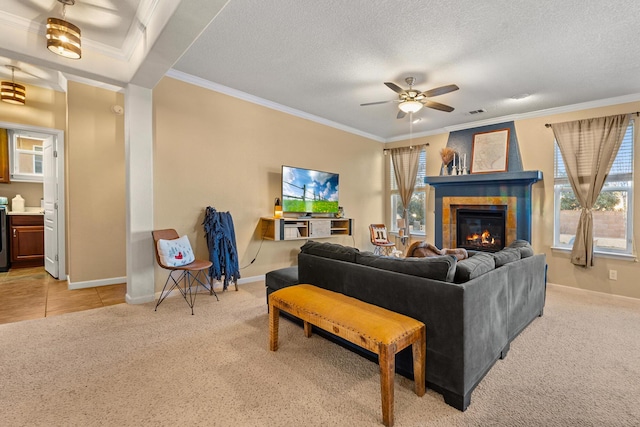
{"x": 306, "y": 191}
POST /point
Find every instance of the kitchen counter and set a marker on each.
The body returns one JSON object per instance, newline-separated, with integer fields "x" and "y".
{"x": 28, "y": 210}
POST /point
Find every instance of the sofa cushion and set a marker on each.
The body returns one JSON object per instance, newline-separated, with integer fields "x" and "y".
{"x": 330, "y": 250}
{"x": 474, "y": 266}
{"x": 278, "y": 279}
{"x": 506, "y": 255}
{"x": 437, "y": 268}
{"x": 524, "y": 247}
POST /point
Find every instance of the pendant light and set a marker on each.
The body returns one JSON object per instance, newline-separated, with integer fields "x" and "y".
{"x": 12, "y": 92}
{"x": 63, "y": 38}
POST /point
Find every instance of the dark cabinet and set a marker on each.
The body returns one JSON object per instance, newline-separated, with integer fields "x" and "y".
{"x": 4, "y": 156}
{"x": 27, "y": 240}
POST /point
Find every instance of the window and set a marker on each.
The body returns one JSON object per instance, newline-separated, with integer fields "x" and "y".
{"x": 417, "y": 206}
{"x": 26, "y": 156}
{"x": 612, "y": 213}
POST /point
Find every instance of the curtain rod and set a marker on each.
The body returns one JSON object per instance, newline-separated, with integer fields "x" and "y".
{"x": 637, "y": 113}
{"x": 426, "y": 144}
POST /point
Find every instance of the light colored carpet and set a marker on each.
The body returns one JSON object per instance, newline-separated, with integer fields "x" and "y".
{"x": 578, "y": 365}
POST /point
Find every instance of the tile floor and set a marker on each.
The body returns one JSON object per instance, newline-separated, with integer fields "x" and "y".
{"x": 31, "y": 293}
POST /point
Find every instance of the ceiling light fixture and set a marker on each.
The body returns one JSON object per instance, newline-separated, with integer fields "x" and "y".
{"x": 410, "y": 106}
{"x": 12, "y": 92}
{"x": 63, "y": 38}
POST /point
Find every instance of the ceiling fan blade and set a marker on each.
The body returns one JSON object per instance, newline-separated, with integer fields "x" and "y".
{"x": 375, "y": 103}
{"x": 438, "y": 106}
{"x": 440, "y": 90}
{"x": 401, "y": 114}
{"x": 394, "y": 87}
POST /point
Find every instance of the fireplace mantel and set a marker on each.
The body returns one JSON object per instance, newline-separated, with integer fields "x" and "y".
{"x": 502, "y": 178}
{"x": 488, "y": 188}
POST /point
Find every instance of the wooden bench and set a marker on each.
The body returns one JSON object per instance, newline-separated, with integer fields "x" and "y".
{"x": 371, "y": 327}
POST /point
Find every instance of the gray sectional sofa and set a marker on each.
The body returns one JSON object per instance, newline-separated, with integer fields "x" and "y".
{"x": 472, "y": 308}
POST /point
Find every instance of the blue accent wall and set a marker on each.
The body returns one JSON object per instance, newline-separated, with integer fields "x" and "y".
{"x": 462, "y": 142}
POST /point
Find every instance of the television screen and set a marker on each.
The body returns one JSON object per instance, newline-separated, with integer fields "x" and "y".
{"x": 309, "y": 191}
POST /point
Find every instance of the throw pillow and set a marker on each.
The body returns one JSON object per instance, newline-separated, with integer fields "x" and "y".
{"x": 506, "y": 255}
{"x": 524, "y": 247}
{"x": 176, "y": 252}
{"x": 379, "y": 234}
{"x": 474, "y": 266}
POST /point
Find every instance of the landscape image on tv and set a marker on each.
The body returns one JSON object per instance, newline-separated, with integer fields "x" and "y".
{"x": 309, "y": 191}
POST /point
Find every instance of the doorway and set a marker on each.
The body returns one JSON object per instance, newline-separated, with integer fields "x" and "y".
{"x": 50, "y": 173}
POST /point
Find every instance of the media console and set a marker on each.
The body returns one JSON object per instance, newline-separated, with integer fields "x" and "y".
{"x": 305, "y": 228}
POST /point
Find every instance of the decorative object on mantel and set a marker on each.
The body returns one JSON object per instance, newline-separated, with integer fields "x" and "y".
{"x": 462, "y": 143}
{"x": 490, "y": 151}
{"x": 446, "y": 154}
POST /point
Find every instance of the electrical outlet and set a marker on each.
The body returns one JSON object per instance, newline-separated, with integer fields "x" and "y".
{"x": 613, "y": 274}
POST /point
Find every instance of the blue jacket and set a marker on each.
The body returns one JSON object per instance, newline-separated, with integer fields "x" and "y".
{"x": 221, "y": 241}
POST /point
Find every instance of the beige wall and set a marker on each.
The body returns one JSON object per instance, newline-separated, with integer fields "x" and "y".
{"x": 31, "y": 192}
{"x": 44, "y": 107}
{"x": 95, "y": 193}
{"x": 536, "y": 144}
{"x": 211, "y": 149}
{"x": 215, "y": 150}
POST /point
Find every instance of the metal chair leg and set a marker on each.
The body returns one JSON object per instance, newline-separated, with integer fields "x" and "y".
{"x": 175, "y": 284}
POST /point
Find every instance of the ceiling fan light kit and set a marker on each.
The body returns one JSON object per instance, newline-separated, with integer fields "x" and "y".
{"x": 63, "y": 38}
{"x": 12, "y": 92}
{"x": 412, "y": 100}
{"x": 410, "y": 106}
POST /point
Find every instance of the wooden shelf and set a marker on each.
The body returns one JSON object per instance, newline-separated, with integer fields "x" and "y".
{"x": 305, "y": 228}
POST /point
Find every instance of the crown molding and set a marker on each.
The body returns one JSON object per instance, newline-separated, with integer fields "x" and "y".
{"x": 197, "y": 81}
{"x": 523, "y": 116}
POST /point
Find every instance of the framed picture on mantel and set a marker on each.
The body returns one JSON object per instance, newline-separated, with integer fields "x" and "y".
{"x": 490, "y": 151}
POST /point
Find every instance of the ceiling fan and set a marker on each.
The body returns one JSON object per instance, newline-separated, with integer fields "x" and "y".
{"x": 412, "y": 100}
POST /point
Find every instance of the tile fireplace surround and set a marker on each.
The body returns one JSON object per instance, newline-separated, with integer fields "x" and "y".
{"x": 511, "y": 190}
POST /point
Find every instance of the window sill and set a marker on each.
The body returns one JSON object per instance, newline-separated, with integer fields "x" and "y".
{"x": 600, "y": 254}
{"x": 420, "y": 233}
{"x": 27, "y": 178}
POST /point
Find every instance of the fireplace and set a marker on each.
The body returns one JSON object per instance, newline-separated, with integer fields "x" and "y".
{"x": 509, "y": 190}
{"x": 481, "y": 229}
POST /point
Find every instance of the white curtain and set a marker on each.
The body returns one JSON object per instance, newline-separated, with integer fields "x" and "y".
{"x": 588, "y": 148}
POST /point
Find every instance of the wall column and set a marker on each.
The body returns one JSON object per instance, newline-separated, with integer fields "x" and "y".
{"x": 139, "y": 194}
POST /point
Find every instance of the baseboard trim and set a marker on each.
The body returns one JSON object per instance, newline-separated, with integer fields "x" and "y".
{"x": 251, "y": 279}
{"x": 147, "y": 298}
{"x": 139, "y": 300}
{"x": 216, "y": 287}
{"x": 96, "y": 283}
{"x": 589, "y": 291}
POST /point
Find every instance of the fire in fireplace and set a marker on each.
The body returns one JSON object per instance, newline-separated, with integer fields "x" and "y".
{"x": 480, "y": 229}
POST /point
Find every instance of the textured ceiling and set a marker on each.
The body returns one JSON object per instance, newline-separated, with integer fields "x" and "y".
{"x": 322, "y": 59}
{"x": 325, "y": 58}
